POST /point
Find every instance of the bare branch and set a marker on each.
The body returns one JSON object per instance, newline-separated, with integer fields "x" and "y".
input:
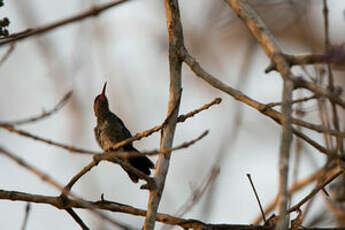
{"x": 45, "y": 114}
{"x": 74, "y": 149}
{"x": 180, "y": 118}
{"x": 77, "y": 219}
{"x": 198, "y": 192}
{"x": 80, "y": 174}
{"x": 113, "y": 157}
{"x": 44, "y": 177}
{"x": 26, "y": 216}
{"x": 124, "y": 154}
{"x": 294, "y": 187}
{"x": 238, "y": 95}
{"x": 7, "y": 54}
{"x": 47, "y": 141}
{"x": 256, "y": 196}
{"x": 175, "y": 43}
{"x": 96, "y": 10}
{"x": 273, "y": 51}
{"x": 122, "y": 208}
{"x": 301, "y": 59}
{"x": 273, "y": 104}
{"x": 314, "y": 191}
{"x": 339, "y": 142}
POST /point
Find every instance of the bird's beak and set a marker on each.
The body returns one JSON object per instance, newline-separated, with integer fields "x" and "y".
{"x": 104, "y": 87}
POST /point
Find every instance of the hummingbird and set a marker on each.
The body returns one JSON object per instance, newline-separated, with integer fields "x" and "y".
{"x": 110, "y": 129}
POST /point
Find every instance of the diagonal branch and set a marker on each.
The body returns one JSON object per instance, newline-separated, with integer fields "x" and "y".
{"x": 238, "y": 95}
{"x": 26, "y": 216}
{"x": 96, "y": 10}
{"x": 314, "y": 191}
{"x": 298, "y": 185}
{"x": 44, "y": 177}
{"x": 77, "y": 219}
{"x": 7, "y": 54}
{"x": 45, "y": 114}
{"x": 180, "y": 118}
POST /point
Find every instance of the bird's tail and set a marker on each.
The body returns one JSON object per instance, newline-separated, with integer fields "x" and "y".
{"x": 141, "y": 163}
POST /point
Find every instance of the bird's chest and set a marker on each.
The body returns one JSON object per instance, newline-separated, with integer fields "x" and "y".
{"x": 107, "y": 135}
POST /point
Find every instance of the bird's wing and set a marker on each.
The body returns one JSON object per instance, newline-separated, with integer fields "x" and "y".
{"x": 116, "y": 132}
{"x": 122, "y": 132}
{"x": 97, "y": 131}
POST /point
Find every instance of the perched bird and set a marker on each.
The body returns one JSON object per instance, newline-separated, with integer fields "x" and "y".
{"x": 110, "y": 129}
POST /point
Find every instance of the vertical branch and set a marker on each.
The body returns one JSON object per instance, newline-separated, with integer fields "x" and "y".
{"x": 325, "y": 14}
{"x": 175, "y": 44}
{"x": 284, "y": 155}
{"x": 271, "y": 47}
{"x": 339, "y": 140}
{"x": 26, "y": 216}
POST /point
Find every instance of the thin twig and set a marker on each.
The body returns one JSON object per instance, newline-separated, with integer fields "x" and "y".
{"x": 294, "y": 188}
{"x": 138, "y": 136}
{"x": 324, "y": 118}
{"x": 238, "y": 95}
{"x": 257, "y": 197}
{"x": 123, "y": 154}
{"x": 180, "y": 118}
{"x": 69, "y": 148}
{"x": 333, "y": 96}
{"x": 273, "y": 51}
{"x": 112, "y": 157}
{"x": 7, "y": 54}
{"x": 301, "y": 59}
{"x": 33, "y": 170}
{"x": 45, "y": 114}
{"x": 26, "y": 216}
{"x": 304, "y": 99}
{"x": 198, "y": 192}
{"x": 77, "y": 219}
{"x": 298, "y": 144}
{"x": 94, "y": 11}
{"x": 86, "y": 169}
{"x": 314, "y": 191}
{"x": 44, "y": 177}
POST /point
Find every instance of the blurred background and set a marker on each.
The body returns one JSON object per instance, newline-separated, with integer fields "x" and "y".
{"x": 127, "y": 47}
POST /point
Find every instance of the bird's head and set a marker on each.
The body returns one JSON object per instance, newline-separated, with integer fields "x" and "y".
{"x": 101, "y": 106}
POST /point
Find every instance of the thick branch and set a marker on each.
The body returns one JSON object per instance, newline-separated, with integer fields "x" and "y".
{"x": 121, "y": 208}
{"x": 175, "y": 43}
